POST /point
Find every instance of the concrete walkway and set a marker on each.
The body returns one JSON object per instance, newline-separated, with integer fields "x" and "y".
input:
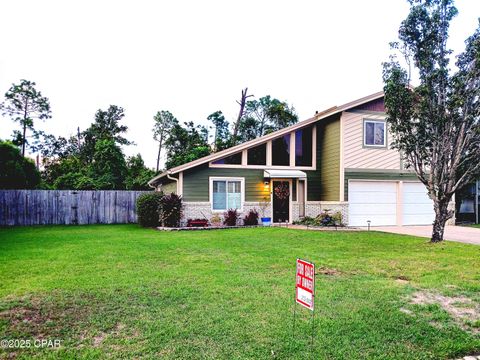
{"x": 464, "y": 234}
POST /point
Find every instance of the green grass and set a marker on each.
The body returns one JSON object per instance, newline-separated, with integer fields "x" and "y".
{"x": 475, "y": 225}
{"x": 129, "y": 292}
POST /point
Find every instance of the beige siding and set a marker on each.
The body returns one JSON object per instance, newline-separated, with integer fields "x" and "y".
{"x": 356, "y": 156}
{"x": 169, "y": 188}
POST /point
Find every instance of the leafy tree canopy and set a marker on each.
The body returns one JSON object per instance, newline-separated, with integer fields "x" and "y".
{"x": 16, "y": 171}
{"x": 24, "y": 103}
{"x": 186, "y": 143}
{"x": 264, "y": 116}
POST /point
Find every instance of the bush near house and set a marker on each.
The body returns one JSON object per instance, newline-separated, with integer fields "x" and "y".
{"x": 326, "y": 218}
{"x": 171, "y": 210}
{"x": 230, "y": 217}
{"x": 251, "y": 218}
{"x": 147, "y": 209}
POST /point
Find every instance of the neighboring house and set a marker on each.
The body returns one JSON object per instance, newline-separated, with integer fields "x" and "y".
{"x": 340, "y": 159}
{"x": 468, "y": 204}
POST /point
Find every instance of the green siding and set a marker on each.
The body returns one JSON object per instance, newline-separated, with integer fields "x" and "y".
{"x": 324, "y": 183}
{"x": 196, "y": 182}
{"x": 363, "y": 174}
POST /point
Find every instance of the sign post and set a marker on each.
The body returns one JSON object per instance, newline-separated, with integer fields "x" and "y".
{"x": 305, "y": 290}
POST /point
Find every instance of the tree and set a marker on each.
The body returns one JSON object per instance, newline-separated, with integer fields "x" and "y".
{"x": 186, "y": 143}
{"x": 241, "y": 113}
{"x": 105, "y": 127}
{"x": 25, "y": 104}
{"x": 221, "y": 138}
{"x": 264, "y": 116}
{"x": 108, "y": 167}
{"x": 16, "y": 171}
{"x": 436, "y": 124}
{"x": 138, "y": 174}
{"x": 164, "y": 121}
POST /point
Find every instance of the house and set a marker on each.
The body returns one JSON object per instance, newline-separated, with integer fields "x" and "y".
{"x": 340, "y": 159}
{"x": 468, "y": 204}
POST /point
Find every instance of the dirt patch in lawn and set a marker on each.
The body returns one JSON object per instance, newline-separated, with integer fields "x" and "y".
{"x": 81, "y": 319}
{"x": 463, "y": 310}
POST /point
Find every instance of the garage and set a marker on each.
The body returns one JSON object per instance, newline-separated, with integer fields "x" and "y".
{"x": 386, "y": 203}
{"x": 372, "y": 200}
{"x": 417, "y": 206}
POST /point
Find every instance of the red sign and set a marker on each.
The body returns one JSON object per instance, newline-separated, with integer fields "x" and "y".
{"x": 305, "y": 284}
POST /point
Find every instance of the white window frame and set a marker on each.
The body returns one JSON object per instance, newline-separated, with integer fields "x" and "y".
{"x": 384, "y": 123}
{"x": 227, "y": 179}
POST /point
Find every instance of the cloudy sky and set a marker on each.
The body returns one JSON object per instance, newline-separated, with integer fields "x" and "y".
{"x": 194, "y": 57}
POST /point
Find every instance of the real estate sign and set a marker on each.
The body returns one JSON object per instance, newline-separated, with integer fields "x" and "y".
{"x": 305, "y": 284}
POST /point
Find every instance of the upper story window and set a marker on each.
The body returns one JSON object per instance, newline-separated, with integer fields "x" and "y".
{"x": 235, "y": 159}
{"x": 257, "y": 155}
{"x": 374, "y": 133}
{"x": 303, "y": 147}
{"x": 281, "y": 151}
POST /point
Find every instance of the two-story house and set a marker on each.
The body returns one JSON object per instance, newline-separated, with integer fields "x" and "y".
{"x": 340, "y": 159}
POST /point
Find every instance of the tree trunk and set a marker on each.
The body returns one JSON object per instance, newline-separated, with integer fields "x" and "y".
{"x": 441, "y": 216}
{"x": 159, "y": 151}
{"x": 242, "y": 103}
{"x": 24, "y": 140}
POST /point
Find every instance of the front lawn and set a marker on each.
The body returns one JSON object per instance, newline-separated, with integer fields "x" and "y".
{"x": 129, "y": 292}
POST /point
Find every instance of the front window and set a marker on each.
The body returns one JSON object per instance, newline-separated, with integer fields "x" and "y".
{"x": 374, "y": 133}
{"x": 226, "y": 194}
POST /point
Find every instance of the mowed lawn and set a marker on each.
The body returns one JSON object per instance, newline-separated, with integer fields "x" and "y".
{"x": 127, "y": 292}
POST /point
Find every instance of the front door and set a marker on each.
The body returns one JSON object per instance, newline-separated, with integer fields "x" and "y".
{"x": 281, "y": 200}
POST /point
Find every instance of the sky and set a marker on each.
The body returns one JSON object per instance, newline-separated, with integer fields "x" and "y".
{"x": 194, "y": 57}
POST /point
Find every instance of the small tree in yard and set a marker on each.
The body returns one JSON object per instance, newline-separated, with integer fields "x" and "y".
{"x": 436, "y": 124}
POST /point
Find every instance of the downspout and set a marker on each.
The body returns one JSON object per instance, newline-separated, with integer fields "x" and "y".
{"x": 168, "y": 177}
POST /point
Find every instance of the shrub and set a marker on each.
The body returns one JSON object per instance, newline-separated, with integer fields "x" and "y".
{"x": 338, "y": 218}
{"x": 216, "y": 220}
{"x": 230, "y": 217}
{"x": 251, "y": 218}
{"x": 171, "y": 209}
{"x": 307, "y": 220}
{"x": 325, "y": 219}
{"x": 147, "y": 209}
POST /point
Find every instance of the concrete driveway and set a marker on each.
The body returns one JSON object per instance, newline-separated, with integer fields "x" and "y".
{"x": 462, "y": 234}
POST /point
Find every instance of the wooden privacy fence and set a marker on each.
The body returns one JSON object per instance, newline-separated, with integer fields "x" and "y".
{"x": 45, "y": 207}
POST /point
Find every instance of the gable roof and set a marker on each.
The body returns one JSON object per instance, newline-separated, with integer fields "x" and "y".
{"x": 237, "y": 148}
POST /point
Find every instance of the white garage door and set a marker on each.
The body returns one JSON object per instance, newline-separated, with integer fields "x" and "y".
{"x": 372, "y": 200}
{"x": 417, "y": 206}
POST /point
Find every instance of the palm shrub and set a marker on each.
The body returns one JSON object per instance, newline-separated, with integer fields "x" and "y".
{"x": 147, "y": 209}
{"x": 171, "y": 210}
{"x": 251, "y": 218}
{"x": 230, "y": 217}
